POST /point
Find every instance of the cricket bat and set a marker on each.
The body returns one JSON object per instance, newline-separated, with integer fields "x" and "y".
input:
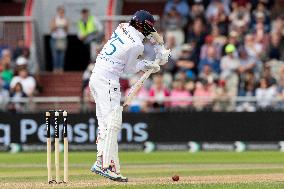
{"x": 137, "y": 86}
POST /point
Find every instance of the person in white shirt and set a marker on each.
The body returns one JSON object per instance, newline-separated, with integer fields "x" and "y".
{"x": 119, "y": 55}
{"x": 28, "y": 82}
{"x": 58, "y": 42}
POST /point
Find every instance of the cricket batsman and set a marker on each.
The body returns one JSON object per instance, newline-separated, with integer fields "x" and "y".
{"x": 119, "y": 55}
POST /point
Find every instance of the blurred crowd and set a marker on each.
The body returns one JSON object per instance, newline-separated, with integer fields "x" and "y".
{"x": 227, "y": 55}
{"x": 18, "y": 75}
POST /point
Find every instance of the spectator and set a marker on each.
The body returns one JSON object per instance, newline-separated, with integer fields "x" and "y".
{"x": 179, "y": 96}
{"x": 276, "y": 47}
{"x": 197, "y": 9}
{"x": 89, "y": 31}
{"x": 204, "y": 94}
{"x": 246, "y": 63}
{"x": 158, "y": 93}
{"x": 218, "y": 38}
{"x": 4, "y": 96}
{"x": 196, "y": 36}
{"x": 211, "y": 60}
{"x": 247, "y": 89}
{"x": 186, "y": 61}
{"x": 138, "y": 104}
{"x": 233, "y": 39}
{"x": 215, "y": 7}
{"x": 229, "y": 65}
{"x": 280, "y": 93}
{"x": 261, "y": 37}
{"x": 265, "y": 95}
{"x": 207, "y": 74}
{"x": 17, "y": 95}
{"x": 18, "y": 51}
{"x": 261, "y": 15}
{"x": 58, "y": 42}
{"x": 209, "y": 42}
{"x": 6, "y": 73}
{"x": 278, "y": 26}
{"x": 173, "y": 23}
{"x": 240, "y": 19}
{"x": 222, "y": 99}
{"x": 3, "y": 46}
{"x": 253, "y": 49}
{"x": 180, "y": 5}
{"x": 28, "y": 82}
{"x": 267, "y": 74}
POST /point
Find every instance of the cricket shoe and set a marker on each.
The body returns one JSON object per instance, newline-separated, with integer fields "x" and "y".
{"x": 108, "y": 173}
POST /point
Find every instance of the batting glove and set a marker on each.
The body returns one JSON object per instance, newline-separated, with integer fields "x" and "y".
{"x": 148, "y": 65}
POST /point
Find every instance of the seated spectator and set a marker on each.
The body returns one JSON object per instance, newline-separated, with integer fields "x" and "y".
{"x": 18, "y": 51}
{"x": 6, "y": 73}
{"x": 265, "y": 95}
{"x": 211, "y": 60}
{"x": 207, "y": 74}
{"x": 267, "y": 74}
{"x": 247, "y": 89}
{"x": 197, "y": 9}
{"x": 222, "y": 101}
{"x": 180, "y": 5}
{"x": 280, "y": 94}
{"x": 253, "y": 49}
{"x": 214, "y": 8}
{"x": 3, "y": 46}
{"x": 158, "y": 93}
{"x": 203, "y": 95}
{"x": 278, "y": 26}
{"x": 17, "y": 94}
{"x": 276, "y": 47}
{"x": 173, "y": 24}
{"x": 4, "y": 96}
{"x": 28, "y": 82}
{"x": 240, "y": 19}
{"x": 209, "y": 42}
{"x": 235, "y": 39}
{"x": 220, "y": 18}
{"x": 186, "y": 61}
{"x": 261, "y": 15}
{"x": 261, "y": 37}
{"x": 178, "y": 91}
{"x": 246, "y": 63}
{"x": 138, "y": 104}
{"x": 229, "y": 65}
{"x": 218, "y": 38}
{"x": 196, "y": 36}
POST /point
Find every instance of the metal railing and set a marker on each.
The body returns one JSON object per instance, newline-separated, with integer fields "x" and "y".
{"x": 78, "y": 104}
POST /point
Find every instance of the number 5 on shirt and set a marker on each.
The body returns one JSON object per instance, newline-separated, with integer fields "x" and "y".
{"x": 115, "y": 38}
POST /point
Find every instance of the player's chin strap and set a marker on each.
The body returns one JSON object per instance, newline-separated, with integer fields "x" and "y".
{"x": 110, "y": 152}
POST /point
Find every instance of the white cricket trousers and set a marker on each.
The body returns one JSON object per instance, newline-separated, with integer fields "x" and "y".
{"x": 107, "y": 95}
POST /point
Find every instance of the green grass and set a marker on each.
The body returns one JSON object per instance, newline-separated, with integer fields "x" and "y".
{"x": 28, "y": 170}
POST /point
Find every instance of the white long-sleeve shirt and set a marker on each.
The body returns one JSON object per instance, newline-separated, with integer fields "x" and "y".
{"x": 120, "y": 54}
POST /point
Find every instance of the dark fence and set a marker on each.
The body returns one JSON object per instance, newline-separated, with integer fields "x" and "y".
{"x": 155, "y": 127}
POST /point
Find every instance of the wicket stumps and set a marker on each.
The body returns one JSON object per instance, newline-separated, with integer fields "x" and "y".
{"x": 56, "y": 115}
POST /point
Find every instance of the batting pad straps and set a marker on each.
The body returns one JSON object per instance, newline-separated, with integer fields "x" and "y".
{"x": 114, "y": 122}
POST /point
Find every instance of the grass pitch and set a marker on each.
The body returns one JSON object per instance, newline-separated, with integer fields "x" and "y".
{"x": 203, "y": 170}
